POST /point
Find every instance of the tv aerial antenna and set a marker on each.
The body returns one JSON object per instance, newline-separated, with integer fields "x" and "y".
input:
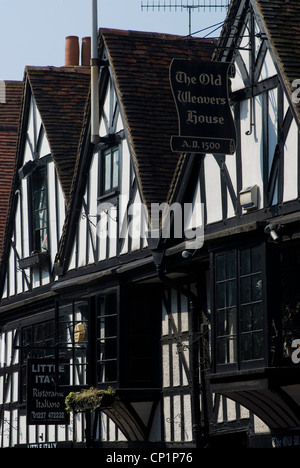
{"x": 189, "y": 5}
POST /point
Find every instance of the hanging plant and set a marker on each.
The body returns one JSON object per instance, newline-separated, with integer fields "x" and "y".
{"x": 90, "y": 399}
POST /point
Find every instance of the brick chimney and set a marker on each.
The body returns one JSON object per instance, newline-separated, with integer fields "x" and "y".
{"x": 86, "y": 52}
{"x": 72, "y": 51}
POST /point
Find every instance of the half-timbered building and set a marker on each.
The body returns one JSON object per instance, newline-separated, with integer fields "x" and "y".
{"x": 250, "y": 211}
{"x": 169, "y": 277}
{"x": 52, "y": 111}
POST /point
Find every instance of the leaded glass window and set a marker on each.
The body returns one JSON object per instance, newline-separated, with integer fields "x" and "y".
{"x": 239, "y": 310}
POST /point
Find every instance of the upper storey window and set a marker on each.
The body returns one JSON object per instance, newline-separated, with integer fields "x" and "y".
{"x": 110, "y": 170}
{"x": 34, "y": 184}
{"x": 40, "y": 210}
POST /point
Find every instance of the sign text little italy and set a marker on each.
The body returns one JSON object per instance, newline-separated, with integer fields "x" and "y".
{"x": 45, "y": 400}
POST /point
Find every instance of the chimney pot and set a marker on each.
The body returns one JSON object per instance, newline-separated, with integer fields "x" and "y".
{"x": 72, "y": 51}
{"x": 86, "y": 52}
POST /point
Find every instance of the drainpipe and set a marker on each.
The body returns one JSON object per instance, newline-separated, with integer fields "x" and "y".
{"x": 94, "y": 76}
{"x": 195, "y": 381}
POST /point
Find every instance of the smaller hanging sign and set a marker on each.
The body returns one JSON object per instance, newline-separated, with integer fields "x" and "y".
{"x": 201, "y": 95}
{"x": 45, "y": 400}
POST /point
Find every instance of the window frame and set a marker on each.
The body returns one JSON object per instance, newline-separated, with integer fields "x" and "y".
{"x": 113, "y": 188}
{"x": 240, "y": 363}
{"x": 105, "y": 339}
{"x": 52, "y": 350}
{"x": 33, "y": 235}
{"x": 226, "y": 309}
{"x": 31, "y": 348}
{"x": 71, "y": 346}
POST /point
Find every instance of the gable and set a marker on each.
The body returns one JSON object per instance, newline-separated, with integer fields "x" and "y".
{"x": 141, "y": 73}
{"x": 266, "y": 160}
{"x": 138, "y": 115}
{"x": 19, "y": 271}
{"x": 103, "y": 226}
{"x": 52, "y": 116}
{"x": 61, "y": 95}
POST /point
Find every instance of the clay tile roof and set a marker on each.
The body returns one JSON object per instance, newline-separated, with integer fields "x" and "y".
{"x": 61, "y": 96}
{"x": 10, "y": 110}
{"x": 282, "y": 26}
{"x": 140, "y": 62}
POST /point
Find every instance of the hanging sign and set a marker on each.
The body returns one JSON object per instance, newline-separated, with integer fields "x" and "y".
{"x": 201, "y": 95}
{"x": 45, "y": 400}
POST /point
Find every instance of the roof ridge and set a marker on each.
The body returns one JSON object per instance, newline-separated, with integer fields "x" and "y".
{"x": 151, "y": 34}
{"x": 64, "y": 69}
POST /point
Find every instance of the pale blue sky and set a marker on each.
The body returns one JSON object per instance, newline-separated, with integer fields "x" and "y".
{"x": 32, "y": 32}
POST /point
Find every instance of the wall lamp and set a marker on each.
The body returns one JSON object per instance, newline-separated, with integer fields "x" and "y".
{"x": 271, "y": 230}
{"x": 187, "y": 253}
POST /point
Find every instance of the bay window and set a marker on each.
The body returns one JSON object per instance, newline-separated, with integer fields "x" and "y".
{"x": 239, "y": 307}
